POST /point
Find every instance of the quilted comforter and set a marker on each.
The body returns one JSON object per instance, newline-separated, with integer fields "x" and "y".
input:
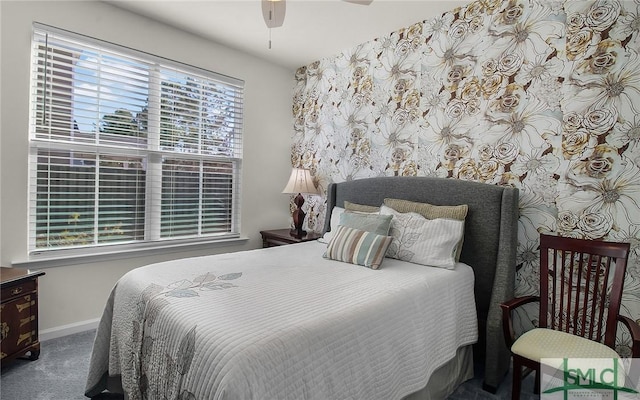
{"x": 280, "y": 323}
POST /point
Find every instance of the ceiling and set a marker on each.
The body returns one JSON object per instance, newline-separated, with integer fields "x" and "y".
{"x": 312, "y": 29}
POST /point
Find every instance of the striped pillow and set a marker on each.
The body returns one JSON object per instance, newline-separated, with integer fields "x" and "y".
{"x": 356, "y": 246}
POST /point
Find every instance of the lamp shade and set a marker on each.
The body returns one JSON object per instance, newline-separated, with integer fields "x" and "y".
{"x": 300, "y": 181}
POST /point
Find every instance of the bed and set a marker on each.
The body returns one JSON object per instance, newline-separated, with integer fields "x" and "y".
{"x": 287, "y": 323}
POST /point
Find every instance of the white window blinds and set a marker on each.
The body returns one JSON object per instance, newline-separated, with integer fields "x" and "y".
{"x": 129, "y": 148}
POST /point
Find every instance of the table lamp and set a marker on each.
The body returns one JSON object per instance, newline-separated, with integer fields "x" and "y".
{"x": 300, "y": 182}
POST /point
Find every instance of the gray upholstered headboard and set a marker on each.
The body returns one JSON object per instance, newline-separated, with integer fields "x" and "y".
{"x": 489, "y": 247}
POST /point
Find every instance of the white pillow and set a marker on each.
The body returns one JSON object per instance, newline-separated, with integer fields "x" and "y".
{"x": 432, "y": 242}
{"x": 335, "y": 221}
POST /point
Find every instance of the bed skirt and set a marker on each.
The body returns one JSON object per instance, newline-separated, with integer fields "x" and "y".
{"x": 446, "y": 379}
{"x": 443, "y": 382}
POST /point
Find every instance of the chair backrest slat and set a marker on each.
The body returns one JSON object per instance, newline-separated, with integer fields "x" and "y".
{"x": 602, "y": 292}
{"x": 588, "y": 282}
{"x": 581, "y": 285}
{"x": 580, "y": 316}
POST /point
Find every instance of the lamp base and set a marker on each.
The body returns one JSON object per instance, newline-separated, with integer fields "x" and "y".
{"x": 298, "y": 218}
{"x": 298, "y": 233}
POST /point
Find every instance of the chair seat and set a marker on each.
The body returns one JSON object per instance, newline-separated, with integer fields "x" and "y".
{"x": 541, "y": 343}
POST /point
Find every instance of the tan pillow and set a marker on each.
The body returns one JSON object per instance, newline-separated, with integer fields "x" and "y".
{"x": 429, "y": 211}
{"x": 349, "y": 206}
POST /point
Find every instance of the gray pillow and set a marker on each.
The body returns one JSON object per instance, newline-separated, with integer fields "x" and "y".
{"x": 376, "y": 223}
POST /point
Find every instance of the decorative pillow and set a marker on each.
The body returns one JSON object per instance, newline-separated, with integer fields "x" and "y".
{"x": 356, "y": 246}
{"x": 376, "y": 223}
{"x": 349, "y": 206}
{"x": 336, "y": 212}
{"x": 419, "y": 240}
{"x": 427, "y": 210}
{"x": 431, "y": 211}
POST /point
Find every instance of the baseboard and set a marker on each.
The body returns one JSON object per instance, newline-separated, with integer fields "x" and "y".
{"x": 70, "y": 329}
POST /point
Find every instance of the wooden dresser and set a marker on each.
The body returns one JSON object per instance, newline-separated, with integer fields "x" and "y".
{"x": 19, "y": 314}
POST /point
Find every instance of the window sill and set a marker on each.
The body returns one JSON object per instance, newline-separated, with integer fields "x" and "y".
{"x": 51, "y": 260}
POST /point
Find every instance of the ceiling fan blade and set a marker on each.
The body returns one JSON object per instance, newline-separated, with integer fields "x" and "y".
{"x": 273, "y": 12}
{"x": 362, "y": 2}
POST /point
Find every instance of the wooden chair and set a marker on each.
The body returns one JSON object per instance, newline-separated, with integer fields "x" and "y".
{"x": 581, "y": 285}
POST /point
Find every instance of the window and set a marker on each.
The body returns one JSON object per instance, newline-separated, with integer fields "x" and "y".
{"x": 128, "y": 149}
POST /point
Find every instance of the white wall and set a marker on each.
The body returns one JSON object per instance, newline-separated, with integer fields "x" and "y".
{"x": 74, "y": 294}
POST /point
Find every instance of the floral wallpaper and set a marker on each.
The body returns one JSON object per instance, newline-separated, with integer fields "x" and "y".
{"x": 540, "y": 95}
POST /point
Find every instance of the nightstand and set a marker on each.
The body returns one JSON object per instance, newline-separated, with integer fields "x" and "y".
{"x": 279, "y": 237}
{"x": 19, "y": 314}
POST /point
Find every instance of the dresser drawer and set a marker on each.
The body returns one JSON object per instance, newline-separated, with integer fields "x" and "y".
{"x": 18, "y": 289}
{"x": 18, "y": 326}
{"x": 18, "y": 314}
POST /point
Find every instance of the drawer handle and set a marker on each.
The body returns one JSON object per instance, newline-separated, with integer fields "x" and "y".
{"x": 17, "y": 290}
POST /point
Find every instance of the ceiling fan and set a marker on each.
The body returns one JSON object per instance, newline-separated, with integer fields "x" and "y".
{"x": 273, "y": 11}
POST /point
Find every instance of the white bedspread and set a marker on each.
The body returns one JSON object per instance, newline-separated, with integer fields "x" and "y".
{"x": 281, "y": 323}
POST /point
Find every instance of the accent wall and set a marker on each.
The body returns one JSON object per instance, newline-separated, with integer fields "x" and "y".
{"x": 540, "y": 95}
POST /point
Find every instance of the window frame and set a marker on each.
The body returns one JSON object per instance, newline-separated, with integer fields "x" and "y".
{"x": 152, "y": 154}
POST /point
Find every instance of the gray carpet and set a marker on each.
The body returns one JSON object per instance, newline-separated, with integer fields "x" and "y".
{"x": 61, "y": 371}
